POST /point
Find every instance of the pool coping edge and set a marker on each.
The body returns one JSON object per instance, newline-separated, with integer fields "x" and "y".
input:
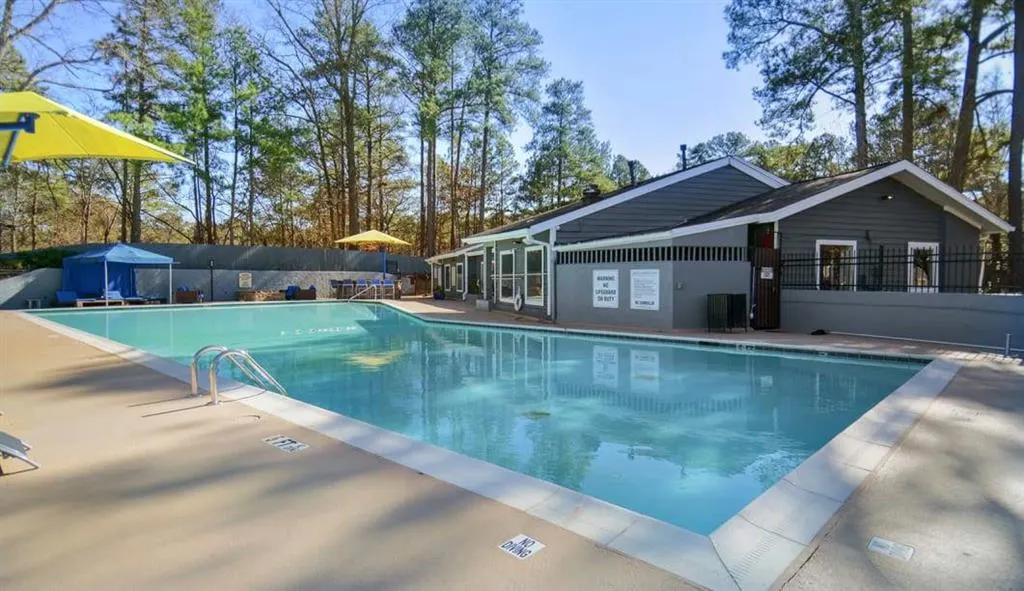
{"x": 750, "y": 551}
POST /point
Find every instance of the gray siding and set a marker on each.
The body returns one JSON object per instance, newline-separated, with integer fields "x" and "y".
{"x": 695, "y": 280}
{"x": 961, "y": 318}
{"x": 575, "y": 289}
{"x": 666, "y": 207}
{"x": 863, "y": 215}
{"x": 735, "y": 236}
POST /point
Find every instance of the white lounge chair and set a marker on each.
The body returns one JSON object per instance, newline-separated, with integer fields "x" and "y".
{"x": 12, "y": 447}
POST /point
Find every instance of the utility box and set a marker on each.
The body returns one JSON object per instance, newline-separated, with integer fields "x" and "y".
{"x": 727, "y": 311}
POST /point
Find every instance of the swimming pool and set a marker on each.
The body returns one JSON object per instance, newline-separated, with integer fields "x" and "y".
{"x": 686, "y": 434}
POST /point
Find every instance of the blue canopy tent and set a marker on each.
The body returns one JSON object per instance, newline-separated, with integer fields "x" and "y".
{"x": 111, "y": 268}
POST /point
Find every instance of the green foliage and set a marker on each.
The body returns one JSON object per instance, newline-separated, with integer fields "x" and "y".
{"x": 46, "y": 258}
{"x": 620, "y": 172}
{"x": 565, "y": 155}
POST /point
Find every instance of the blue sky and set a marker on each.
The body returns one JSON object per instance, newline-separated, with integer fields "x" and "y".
{"x": 652, "y": 70}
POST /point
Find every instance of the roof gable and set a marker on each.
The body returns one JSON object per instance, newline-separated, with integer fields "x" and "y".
{"x": 780, "y": 203}
{"x": 552, "y": 219}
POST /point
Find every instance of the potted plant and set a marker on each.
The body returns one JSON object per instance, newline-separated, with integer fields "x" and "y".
{"x": 438, "y": 292}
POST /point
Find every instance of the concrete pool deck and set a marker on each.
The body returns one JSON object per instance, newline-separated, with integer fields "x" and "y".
{"x": 188, "y": 496}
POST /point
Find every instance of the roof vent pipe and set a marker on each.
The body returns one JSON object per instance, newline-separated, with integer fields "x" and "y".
{"x": 682, "y": 156}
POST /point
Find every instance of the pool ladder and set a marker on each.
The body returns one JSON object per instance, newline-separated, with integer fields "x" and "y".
{"x": 242, "y": 360}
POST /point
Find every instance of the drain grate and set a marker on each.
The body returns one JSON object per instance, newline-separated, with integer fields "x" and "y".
{"x": 286, "y": 444}
{"x": 891, "y": 549}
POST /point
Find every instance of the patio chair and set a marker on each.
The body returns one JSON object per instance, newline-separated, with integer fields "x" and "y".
{"x": 67, "y": 298}
{"x": 389, "y": 284}
{"x": 113, "y": 296}
{"x": 12, "y": 447}
{"x": 347, "y": 287}
{"x": 361, "y": 287}
{"x": 289, "y": 292}
{"x": 378, "y": 288}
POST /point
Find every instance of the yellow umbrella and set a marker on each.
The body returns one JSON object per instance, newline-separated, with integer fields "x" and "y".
{"x": 371, "y": 237}
{"x": 32, "y": 127}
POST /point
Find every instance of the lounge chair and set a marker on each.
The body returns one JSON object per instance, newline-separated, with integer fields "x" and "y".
{"x": 114, "y": 297}
{"x": 12, "y": 447}
{"x": 289, "y": 292}
{"x": 389, "y": 284}
{"x": 347, "y": 288}
{"x": 362, "y": 286}
{"x": 67, "y": 298}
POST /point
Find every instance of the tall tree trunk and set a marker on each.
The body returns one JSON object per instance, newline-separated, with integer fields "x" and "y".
{"x": 1017, "y": 149}
{"x": 968, "y": 97}
{"x": 369, "y": 157}
{"x": 211, "y": 222}
{"x": 907, "y": 80}
{"x": 350, "y": 157}
{"x": 484, "y": 153}
{"x": 136, "y": 228}
{"x": 125, "y": 207}
{"x": 423, "y": 200}
{"x": 857, "y": 60}
{"x": 235, "y": 128}
{"x": 456, "y": 169}
{"x": 250, "y": 204}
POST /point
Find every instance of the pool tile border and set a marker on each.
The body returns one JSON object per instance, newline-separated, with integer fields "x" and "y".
{"x": 725, "y": 343}
{"x": 749, "y": 551}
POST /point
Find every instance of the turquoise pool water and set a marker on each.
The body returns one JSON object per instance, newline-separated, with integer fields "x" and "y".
{"x": 685, "y": 434}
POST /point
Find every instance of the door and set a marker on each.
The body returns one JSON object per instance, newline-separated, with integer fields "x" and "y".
{"x": 767, "y": 294}
{"x": 765, "y": 280}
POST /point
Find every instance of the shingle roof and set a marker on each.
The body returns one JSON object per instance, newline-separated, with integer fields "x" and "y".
{"x": 771, "y": 200}
{"x": 776, "y": 199}
{"x": 553, "y": 213}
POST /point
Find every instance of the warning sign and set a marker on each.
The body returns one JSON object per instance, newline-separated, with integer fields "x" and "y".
{"x": 522, "y": 546}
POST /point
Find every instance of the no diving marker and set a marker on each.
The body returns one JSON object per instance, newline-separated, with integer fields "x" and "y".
{"x": 285, "y": 443}
{"x": 891, "y": 548}
{"x": 522, "y": 546}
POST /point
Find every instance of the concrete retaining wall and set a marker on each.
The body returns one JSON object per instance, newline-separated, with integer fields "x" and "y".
{"x": 153, "y": 282}
{"x": 954, "y": 317}
{"x": 40, "y": 283}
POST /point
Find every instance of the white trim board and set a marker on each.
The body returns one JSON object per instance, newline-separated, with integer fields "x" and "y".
{"x": 902, "y": 171}
{"x": 750, "y": 551}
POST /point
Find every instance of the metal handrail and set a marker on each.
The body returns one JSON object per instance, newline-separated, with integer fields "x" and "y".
{"x": 261, "y": 374}
{"x": 366, "y": 289}
{"x": 194, "y": 366}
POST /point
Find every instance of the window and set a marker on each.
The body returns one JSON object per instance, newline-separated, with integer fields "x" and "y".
{"x": 459, "y": 286}
{"x": 447, "y": 277}
{"x": 837, "y": 264}
{"x": 436, "y": 274}
{"x": 923, "y": 266}
{"x": 536, "y": 278}
{"x": 506, "y": 275}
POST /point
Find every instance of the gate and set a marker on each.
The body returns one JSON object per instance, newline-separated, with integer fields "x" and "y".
{"x": 766, "y": 273}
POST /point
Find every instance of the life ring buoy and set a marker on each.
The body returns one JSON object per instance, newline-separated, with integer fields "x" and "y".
{"x": 517, "y": 302}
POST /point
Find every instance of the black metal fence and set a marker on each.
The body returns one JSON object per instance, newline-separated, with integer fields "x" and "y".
{"x": 920, "y": 268}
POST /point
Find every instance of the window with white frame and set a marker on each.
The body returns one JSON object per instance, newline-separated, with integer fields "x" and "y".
{"x": 436, "y": 269}
{"x": 458, "y": 277}
{"x": 447, "y": 277}
{"x": 837, "y": 264}
{"x": 536, "y": 278}
{"x": 923, "y": 266}
{"x": 506, "y": 275}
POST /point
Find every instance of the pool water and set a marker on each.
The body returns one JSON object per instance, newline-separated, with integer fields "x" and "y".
{"x": 685, "y": 434}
